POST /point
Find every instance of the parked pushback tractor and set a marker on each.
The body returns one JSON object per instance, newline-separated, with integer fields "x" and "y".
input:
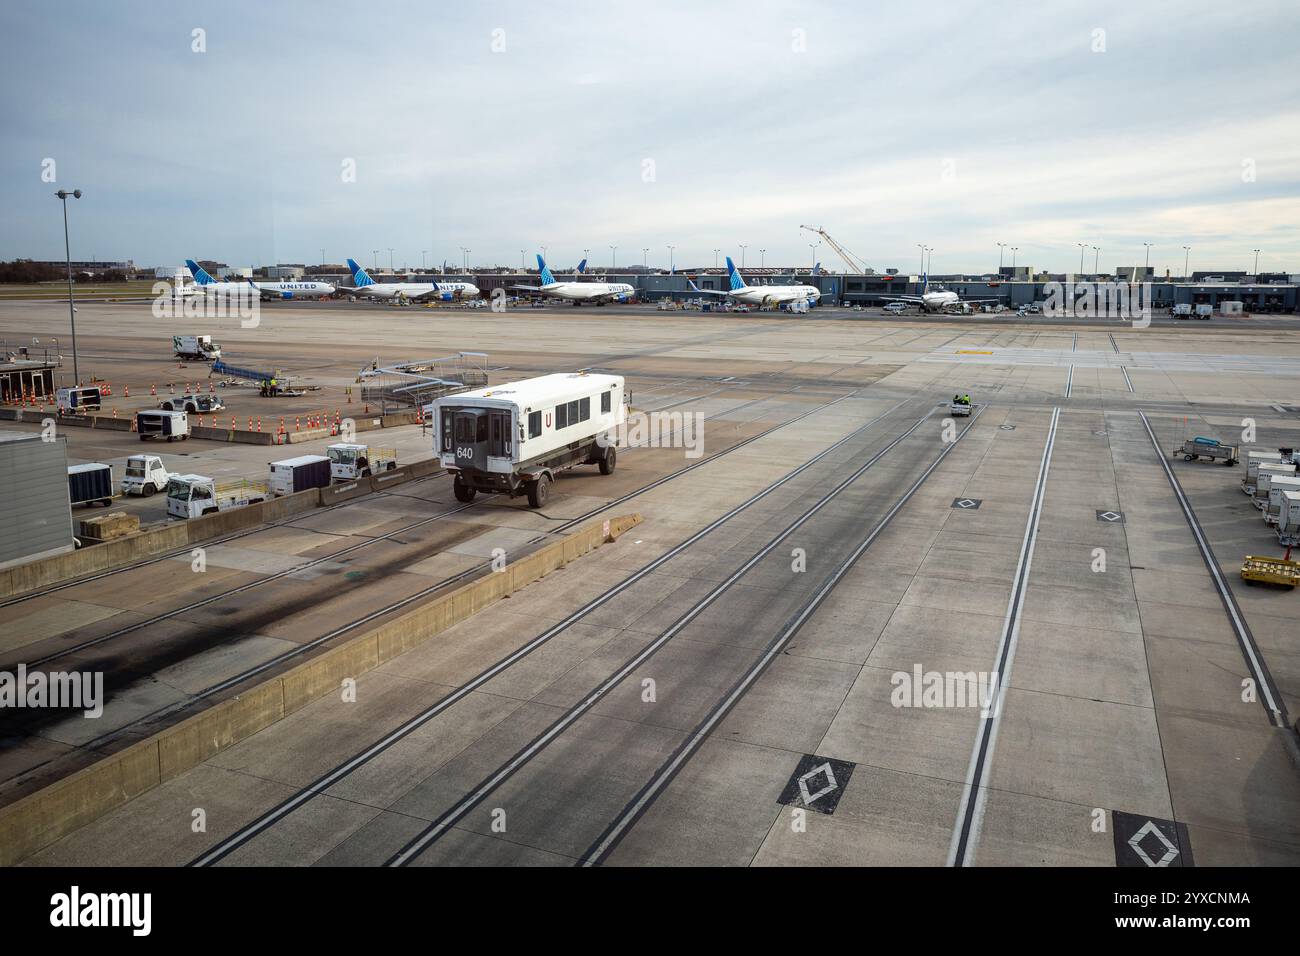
{"x": 515, "y": 438}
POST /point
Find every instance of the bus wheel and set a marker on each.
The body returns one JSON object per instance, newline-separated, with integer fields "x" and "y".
{"x": 609, "y": 462}
{"x": 539, "y": 491}
{"x": 463, "y": 491}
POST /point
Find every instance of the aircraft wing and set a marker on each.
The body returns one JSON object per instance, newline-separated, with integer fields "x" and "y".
{"x": 526, "y": 288}
{"x": 695, "y": 288}
{"x": 913, "y": 299}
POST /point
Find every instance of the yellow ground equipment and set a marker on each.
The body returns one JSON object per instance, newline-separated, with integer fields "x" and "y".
{"x": 1278, "y": 571}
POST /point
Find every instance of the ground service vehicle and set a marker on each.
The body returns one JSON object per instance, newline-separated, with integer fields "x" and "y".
{"x": 298, "y": 474}
{"x": 159, "y": 423}
{"x": 77, "y": 401}
{"x": 192, "y": 496}
{"x": 1208, "y": 448}
{"x": 895, "y": 307}
{"x": 349, "y": 461}
{"x": 1204, "y": 311}
{"x": 515, "y": 438}
{"x": 959, "y": 407}
{"x": 199, "y": 404}
{"x": 198, "y": 348}
{"x": 90, "y": 484}
{"x": 145, "y": 475}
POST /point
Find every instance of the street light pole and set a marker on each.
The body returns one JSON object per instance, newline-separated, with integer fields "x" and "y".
{"x": 1081, "y": 248}
{"x": 522, "y": 253}
{"x": 1014, "y": 250}
{"x": 645, "y": 258}
{"x": 742, "y": 256}
{"x": 613, "y": 255}
{"x": 1256, "y": 272}
{"x": 375, "y": 254}
{"x": 762, "y": 258}
{"x": 63, "y": 195}
{"x": 671, "y": 270}
{"x": 1000, "y": 247}
{"x": 1187, "y": 252}
{"x": 715, "y": 257}
{"x": 1096, "y": 259}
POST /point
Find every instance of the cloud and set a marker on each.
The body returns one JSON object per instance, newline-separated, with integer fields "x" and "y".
{"x": 958, "y": 131}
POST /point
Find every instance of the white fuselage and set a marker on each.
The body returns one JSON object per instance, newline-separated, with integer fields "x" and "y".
{"x": 587, "y": 291}
{"x": 938, "y": 301}
{"x": 775, "y": 294}
{"x": 418, "y": 290}
{"x": 295, "y": 290}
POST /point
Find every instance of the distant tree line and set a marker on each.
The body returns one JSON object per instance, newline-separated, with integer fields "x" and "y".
{"x": 26, "y": 271}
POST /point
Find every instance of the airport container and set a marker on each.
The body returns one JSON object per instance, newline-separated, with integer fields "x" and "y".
{"x": 160, "y": 423}
{"x": 298, "y": 474}
{"x": 515, "y": 438}
{"x": 1278, "y": 486}
{"x": 35, "y": 510}
{"x": 1253, "y": 460}
{"x": 1267, "y": 471}
{"x": 1288, "y": 525}
{"x": 78, "y": 401}
{"x": 90, "y": 484}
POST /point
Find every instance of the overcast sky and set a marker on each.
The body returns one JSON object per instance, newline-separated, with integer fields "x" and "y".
{"x": 510, "y": 126}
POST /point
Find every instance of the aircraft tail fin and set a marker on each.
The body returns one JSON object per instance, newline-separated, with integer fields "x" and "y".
{"x": 733, "y": 275}
{"x": 359, "y": 277}
{"x": 200, "y": 274}
{"x": 545, "y": 272}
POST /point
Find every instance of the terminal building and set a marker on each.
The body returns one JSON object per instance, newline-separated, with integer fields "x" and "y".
{"x": 1013, "y": 287}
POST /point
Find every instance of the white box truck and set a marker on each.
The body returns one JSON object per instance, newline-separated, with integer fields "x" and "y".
{"x": 192, "y": 496}
{"x": 299, "y": 474}
{"x": 145, "y": 475}
{"x": 160, "y": 423}
{"x": 1204, "y": 311}
{"x": 515, "y": 438}
{"x": 197, "y": 348}
{"x": 350, "y": 461}
{"x": 1183, "y": 310}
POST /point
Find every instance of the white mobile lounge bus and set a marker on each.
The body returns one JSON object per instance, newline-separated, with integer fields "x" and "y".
{"x": 515, "y": 438}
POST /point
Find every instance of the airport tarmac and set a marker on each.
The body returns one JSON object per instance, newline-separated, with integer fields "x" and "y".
{"x": 736, "y": 696}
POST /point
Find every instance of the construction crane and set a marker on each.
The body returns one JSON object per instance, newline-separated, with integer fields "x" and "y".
{"x": 855, "y": 264}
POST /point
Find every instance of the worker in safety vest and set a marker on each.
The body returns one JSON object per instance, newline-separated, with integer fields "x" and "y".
{"x": 966, "y": 399}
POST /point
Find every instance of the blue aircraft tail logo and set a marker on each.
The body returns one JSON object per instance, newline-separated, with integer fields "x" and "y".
{"x": 737, "y": 280}
{"x": 200, "y": 274}
{"x": 582, "y": 267}
{"x": 359, "y": 277}
{"x": 547, "y": 278}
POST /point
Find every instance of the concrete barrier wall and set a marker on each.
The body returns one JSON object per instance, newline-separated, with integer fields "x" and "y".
{"x": 51, "y": 570}
{"x": 41, "y": 818}
{"x": 92, "y": 559}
